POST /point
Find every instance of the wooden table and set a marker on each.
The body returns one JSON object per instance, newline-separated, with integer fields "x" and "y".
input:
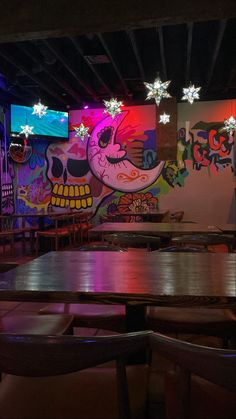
{"x": 155, "y": 228}
{"x": 227, "y": 228}
{"x": 132, "y": 278}
{"x": 152, "y": 216}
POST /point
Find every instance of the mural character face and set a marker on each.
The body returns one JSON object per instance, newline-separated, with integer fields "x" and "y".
{"x": 108, "y": 162}
{"x": 73, "y": 185}
{"x": 7, "y": 193}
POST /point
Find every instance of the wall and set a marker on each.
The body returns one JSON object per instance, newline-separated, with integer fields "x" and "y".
{"x": 116, "y": 167}
{"x": 209, "y": 191}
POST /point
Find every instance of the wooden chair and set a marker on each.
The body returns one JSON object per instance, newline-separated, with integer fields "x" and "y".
{"x": 62, "y": 229}
{"x": 58, "y": 324}
{"x": 56, "y": 377}
{"x": 204, "y": 385}
{"x": 102, "y": 316}
{"x": 9, "y": 233}
{"x": 81, "y": 226}
{"x": 101, "y": 247}
{"x": 209, "y": 322}
{"x": 133, "y": 240}
{"x": 208, "y": 241}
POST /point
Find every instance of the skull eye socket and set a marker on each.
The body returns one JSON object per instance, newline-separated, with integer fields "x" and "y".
{"x": 105, "y": 137}
{"x": 77, "y": 168}
{"x": 57, "y": 167}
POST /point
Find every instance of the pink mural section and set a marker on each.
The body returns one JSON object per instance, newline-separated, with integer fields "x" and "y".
{"x": 116, "y": 167}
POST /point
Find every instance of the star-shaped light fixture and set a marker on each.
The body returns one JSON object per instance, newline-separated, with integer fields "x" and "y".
{"x": 112, "y": 107}
{"x": 27, "y": 130}
{"x": 191, "y": 93}
{"x": 230, "y": 125}
{"x": 164, "y": 118}
{"x": 39, "y": 109}
{"x": 81, "y": 131}
{"x": 157, "y": 90}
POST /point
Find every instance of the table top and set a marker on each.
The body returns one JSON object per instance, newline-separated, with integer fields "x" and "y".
{"x": 133, "y": 278}
{"x": 227, "y": 228}
{"x": 142, "y": 213}
{"x": 178, "y": 228}
{"x": 38, "y": 214}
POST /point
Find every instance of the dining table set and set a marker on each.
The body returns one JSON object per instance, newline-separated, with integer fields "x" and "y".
{"x": 135, "y": 279}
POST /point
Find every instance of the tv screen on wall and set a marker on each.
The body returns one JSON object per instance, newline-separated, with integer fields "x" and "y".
{"x": 53, "y": 125}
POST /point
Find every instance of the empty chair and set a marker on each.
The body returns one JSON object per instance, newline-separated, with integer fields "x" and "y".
{"x": 58, "y": 324}
{"x": 182, "y": 249}
{"x": 206, "y": 240}
{"x": 101, "y": 247}
{"x": 56, "y": 377}
{"x": 103, "y": 316}
{"x": 133, "y": 240}
{"x": 200, "y": 321}
{"x": 34, "y": 324}
{"x": 204, "y": 386}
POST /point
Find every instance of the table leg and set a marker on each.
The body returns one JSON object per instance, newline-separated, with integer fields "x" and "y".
{"x": 135, "y": 318}
{"x": 135, "y": 321}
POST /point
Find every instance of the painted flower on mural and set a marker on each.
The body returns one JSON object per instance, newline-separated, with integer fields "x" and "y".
{"x": 137, "y": 202}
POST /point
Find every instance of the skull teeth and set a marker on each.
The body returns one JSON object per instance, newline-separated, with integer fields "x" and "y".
{"x": 71, "y": 191}
{"x": 71, "y": 196}
{"x": 7, "y": 189}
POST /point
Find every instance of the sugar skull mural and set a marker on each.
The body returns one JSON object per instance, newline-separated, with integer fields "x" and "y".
{"x": 109, "y": 163}
{"x": 73, "y": 185}
{"x": 7, "y": 192}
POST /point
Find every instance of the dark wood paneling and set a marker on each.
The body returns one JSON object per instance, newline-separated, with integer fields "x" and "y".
{"x": 167, "y": 133}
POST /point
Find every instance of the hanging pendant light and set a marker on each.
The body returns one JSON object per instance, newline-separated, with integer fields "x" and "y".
{"x": 39, "y": 109}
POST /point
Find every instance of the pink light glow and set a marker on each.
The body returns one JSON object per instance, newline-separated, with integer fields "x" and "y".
{"x": 86, "y": 107}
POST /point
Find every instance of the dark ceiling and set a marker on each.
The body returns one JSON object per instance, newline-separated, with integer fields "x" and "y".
{"x": 68, "y": 72}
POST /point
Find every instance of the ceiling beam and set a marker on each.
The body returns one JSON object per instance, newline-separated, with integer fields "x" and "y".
{"x": 162, "y": 51}
{"x": 79, "y": 49}
{"x": 58, "y": 54}
{"x": 132, "y": 39}
{"x": 6, "y": 56}
{"x": 52, "y": 74}
{"x": 55, "y": 18}
{"x": 189, "y": 50}
{"x": 108, "y": 52}
{"x": 221, "y": 30}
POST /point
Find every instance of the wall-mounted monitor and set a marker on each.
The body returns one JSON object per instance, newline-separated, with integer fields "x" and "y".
{"x": 53, "y": 125}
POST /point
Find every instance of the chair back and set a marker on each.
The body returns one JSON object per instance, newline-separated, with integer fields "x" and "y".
{"x": 45, "y": 356}
{"x": 215, "y": 365}
{"x": 101, "y": 247}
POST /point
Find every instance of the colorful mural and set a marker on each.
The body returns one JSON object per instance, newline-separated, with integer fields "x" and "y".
{"x": 116, "y": 167}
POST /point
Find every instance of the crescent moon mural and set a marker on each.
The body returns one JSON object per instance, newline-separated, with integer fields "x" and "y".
{"x": 109, "y": 163}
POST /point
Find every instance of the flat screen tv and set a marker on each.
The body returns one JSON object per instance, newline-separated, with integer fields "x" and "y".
{"x": 53, "y": 125}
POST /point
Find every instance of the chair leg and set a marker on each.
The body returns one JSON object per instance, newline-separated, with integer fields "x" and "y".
{"x": 56, "y": 243}
{"x": 37, "y": 245}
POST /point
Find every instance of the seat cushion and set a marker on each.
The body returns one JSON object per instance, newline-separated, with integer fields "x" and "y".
{"x": 88, "y": 394}
{"x": 190, "y": 320}
{"x": 207, "y": 401}
{"x": 104, "y": 316}
{"x": 38, "y": 325}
